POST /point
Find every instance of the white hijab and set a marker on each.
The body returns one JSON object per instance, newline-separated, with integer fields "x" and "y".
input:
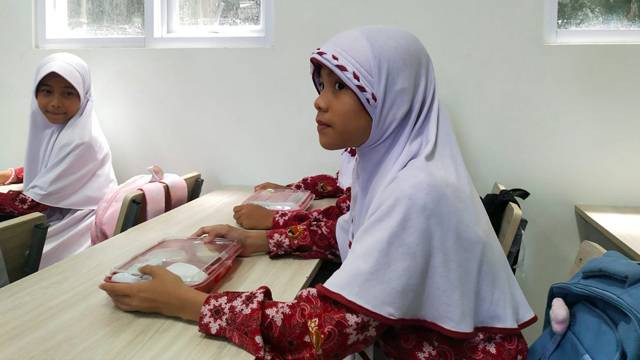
{"x": 347, "y": 164}
{"x": 67, "y": 166}
{"x": 417, "y": 246}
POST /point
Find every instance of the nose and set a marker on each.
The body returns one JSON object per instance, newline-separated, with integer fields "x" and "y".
{"x": 320, "y": 103}
{"x": 56, "y": 101}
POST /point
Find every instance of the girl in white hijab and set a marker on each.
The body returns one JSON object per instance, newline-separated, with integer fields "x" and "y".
{"x": 422, "y": 272}
{"x": 68, "y": 165}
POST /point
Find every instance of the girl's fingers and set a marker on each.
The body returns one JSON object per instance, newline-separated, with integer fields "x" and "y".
{"x": 119, "y": 299}
{"x": 206, "y": 230}
{"x": 200, "y": 232}
{"x": 114, "y": 289}
{"x": 152, "y": 271}
{"x": 124, "y": 303}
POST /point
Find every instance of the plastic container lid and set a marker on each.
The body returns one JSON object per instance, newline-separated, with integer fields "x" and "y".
{"x": 281, "y": 199}
{"x": 199, "y": 264}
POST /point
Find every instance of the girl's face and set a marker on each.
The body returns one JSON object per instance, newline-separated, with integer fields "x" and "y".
{"x": 58, "y": 100}
{"x": 342, "y": 119}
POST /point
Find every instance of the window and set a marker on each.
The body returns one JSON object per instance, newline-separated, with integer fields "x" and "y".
{"x": 153, "y": 23}
{"x": 592, "y": 21}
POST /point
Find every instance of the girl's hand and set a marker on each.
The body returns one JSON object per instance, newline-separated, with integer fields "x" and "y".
{"x": 268, "y": 185}
{"x": 252, "y": 216}
{"x": 165, "y": 293}
{"x": 253, "y": 242}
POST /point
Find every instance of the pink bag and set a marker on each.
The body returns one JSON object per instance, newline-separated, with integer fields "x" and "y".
{"x": 152, "y": 186}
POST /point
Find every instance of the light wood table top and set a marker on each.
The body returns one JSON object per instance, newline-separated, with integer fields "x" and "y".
{"x": 619, "y": 224}
{"x": 6, "y": 188}
{"x": 59, "y": 312}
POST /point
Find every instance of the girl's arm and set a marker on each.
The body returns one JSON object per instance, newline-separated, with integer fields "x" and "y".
{"x": 310, "y": 326}
{"x": 256, "y": 217}
{"x": 308, "y": 234}
{"x": 321, "y": 186}
{"x": 307, "y": 327}
{"x": 311, "y": 239}
{"x": 285, "y": 219}
{"x": 17, "y": 203}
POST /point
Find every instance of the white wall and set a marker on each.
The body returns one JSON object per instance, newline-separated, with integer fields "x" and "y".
{"x": 560, "y": 121}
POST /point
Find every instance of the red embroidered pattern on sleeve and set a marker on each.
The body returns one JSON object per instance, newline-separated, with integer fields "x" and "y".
{"x": 17, "y": 203}
{"x": 310, "y": 240}
{"x": 424, "y": 344}
{"x": 308, "y": 234}
{"x": 309, "y": 327}
{"x": 321, "y": 186}
{"x": 313, "y": 326}
{"x": 236, "y": 316}
{"x": 285, "y": 218}
{"x": 19, "y": 174}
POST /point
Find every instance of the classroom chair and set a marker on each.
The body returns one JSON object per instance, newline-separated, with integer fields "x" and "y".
{"x": 587, "y": 251}
{"x": 510, "y": 221}
{"x": 131, "y": 213}
{"x": 21, "y": 241}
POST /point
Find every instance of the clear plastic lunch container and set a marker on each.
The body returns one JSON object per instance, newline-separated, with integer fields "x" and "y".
{"x": 281, "y": 199}
{"x": 198, "y": 263}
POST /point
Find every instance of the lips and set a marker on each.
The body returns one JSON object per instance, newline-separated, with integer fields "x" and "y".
{"x": 322, "y": 125}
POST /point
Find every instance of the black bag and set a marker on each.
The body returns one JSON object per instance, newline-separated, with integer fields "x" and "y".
{"x": 495, "y": 205}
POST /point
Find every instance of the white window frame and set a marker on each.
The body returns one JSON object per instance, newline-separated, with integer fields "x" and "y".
{"x": 553, "y": 35}
{"x": 156, "y": 34}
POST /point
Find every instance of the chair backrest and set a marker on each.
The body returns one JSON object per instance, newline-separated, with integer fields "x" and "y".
{"x": 22, "y": 240}
{"x": 510, "y": 221}
{"x": 587, "y": 251}
{"x": 133, "y": 206}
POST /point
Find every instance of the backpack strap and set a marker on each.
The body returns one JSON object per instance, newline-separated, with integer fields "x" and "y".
{"x": 155, "y": 200}
{"x": 177, "y": 190}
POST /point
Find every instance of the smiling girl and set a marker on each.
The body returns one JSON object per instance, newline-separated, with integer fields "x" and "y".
{"x": 68, "y": 164}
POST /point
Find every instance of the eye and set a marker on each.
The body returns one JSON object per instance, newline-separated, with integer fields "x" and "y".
{"x": 70, "y": 94}
{"x": 340, "y": 85}
{"x": 320, "y": 86}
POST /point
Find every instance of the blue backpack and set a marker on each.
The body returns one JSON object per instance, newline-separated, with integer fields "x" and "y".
{"x": 604, "y": 299}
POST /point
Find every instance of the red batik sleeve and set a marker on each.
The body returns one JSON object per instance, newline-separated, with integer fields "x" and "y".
{"x": 321, "y": 186}
{"x": 287, "y": 218}
{"x": 309, "y": 327}
{"x": 19, "y": 171}
{"x": 17, "y": 203}
{"x": 309, "y": 234}
{"x": 310, "y": 240}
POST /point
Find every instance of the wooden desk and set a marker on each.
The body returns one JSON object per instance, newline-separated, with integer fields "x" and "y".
{"x": 6, "y": 188}
{"x": 59, "y": 312}
{"x": 615, "y": 228}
